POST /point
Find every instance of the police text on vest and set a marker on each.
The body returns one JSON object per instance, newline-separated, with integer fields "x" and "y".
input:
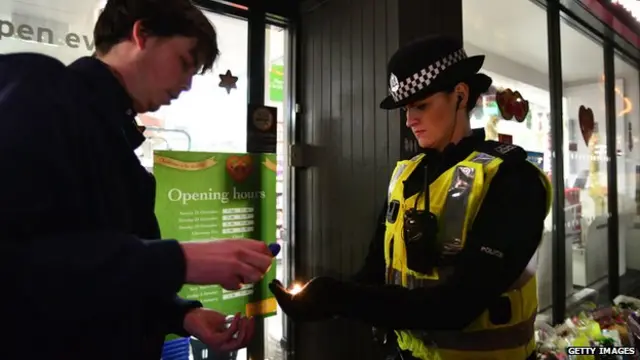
{"x": 597, "y": 350}
{"x": 493, "y": 252}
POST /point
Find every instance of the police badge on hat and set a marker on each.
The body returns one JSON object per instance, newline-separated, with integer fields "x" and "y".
{"x": 393, "y": 83}
{"x": 427, "y": 66}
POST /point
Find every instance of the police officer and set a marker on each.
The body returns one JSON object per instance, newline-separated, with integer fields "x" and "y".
{"x": 450, "y": 268}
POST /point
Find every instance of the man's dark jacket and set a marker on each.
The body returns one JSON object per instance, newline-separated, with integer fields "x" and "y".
{"x": 79, "y": 282}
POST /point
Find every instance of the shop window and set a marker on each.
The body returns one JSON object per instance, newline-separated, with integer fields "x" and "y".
{"x": 517, "y": 60}
{"x": 585, "y": 164}
{"x": 627, "y": 94}
{"x": 62, "y": 29}
{"x": 208, "y": 117}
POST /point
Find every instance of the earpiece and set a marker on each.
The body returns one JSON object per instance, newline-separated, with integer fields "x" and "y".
{"x": 460, "y": 97}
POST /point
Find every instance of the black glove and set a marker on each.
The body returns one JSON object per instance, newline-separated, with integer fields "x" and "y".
{"x": 319, "y": 299}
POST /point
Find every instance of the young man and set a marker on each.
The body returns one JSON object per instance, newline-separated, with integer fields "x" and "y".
{"x": 448, "y": 268}
{"x": 82, "y": 276}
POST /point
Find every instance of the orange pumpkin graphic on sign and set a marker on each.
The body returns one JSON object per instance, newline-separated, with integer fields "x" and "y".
{"x": 239, "y": 167}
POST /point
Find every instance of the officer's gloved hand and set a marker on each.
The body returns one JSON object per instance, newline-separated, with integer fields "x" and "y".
{"x": 379, "y": 335}
{"x": 387, "y": 342}
{"x": 317, "y": 300}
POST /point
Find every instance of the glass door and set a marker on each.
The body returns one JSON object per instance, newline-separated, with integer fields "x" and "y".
{"x": 627, "y": 91}
{"x": 276, "y": 95}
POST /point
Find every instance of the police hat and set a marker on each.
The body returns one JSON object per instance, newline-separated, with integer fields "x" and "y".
{"x": 430, "y": 65}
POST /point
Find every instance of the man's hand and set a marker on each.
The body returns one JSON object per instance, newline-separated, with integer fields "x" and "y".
{"x": 210, "y": 327}
{"x": 229, "y": 263}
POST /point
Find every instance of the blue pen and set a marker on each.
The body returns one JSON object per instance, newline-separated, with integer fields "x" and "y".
{"x": 274, "y": 248}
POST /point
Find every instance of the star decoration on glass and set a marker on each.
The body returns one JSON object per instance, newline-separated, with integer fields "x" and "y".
{"x": 228, "y": 81}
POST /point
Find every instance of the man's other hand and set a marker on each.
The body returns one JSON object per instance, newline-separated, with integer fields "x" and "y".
{"x": 228, "y": 263}
{"x": 210, "y": 327}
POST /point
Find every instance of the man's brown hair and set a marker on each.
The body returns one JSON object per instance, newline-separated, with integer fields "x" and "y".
{"x": 161, "y": 18}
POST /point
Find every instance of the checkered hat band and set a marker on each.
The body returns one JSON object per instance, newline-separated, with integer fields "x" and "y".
{"x": 425, "y": 77}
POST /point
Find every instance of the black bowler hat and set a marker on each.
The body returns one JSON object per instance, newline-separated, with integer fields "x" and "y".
{"x": 430, "y": 65}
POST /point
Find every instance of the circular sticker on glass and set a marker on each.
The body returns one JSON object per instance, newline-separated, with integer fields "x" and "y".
{"x": 262, "y": 119}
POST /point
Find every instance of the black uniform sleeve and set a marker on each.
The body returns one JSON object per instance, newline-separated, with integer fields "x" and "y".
{"x": 510, "y": 221}
{"x": 72, "y": 269}
{"x": 373, "y": 270}
{"x": 175, "y": 311}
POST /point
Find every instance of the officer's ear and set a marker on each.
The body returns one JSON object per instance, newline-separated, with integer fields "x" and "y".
{"x": 461, "y": 95}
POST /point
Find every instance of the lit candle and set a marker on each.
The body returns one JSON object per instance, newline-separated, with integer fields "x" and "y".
{"x": 295, "y": 288}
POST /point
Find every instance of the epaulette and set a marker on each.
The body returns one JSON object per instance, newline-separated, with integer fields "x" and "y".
{"x": 417, "y": 157}
{"x": 506, "y": 152}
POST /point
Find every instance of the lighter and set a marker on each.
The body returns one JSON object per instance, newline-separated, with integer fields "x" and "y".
{"x": 228, "y": 321}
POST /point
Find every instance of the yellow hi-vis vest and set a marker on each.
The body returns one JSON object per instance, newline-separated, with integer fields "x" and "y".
{"x": 455, "y": 197}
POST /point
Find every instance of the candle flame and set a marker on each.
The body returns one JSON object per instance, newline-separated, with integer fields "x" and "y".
{"x": 295, "y": 288}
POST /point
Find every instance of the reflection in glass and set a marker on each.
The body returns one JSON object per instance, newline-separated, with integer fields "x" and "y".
{"x": 585, "y": 165}
{"x": 627, "y": 93}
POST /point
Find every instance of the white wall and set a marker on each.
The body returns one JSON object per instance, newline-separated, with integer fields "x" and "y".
{"x": 509, "y": 68}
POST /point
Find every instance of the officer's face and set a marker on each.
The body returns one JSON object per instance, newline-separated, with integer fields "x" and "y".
{"x": 164, "y": 67}
{"x": 432, "y": 120}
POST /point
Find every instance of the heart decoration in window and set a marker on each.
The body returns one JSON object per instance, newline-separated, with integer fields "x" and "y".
{"x": 587, "y": 123}
{"x": 512, "y": 105}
